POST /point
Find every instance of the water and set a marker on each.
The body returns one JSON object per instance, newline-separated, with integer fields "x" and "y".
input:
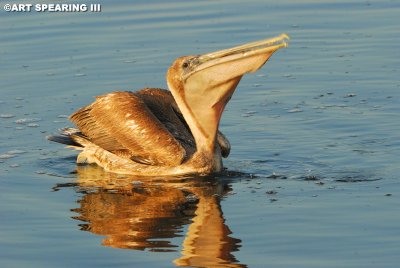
{"x": 314, "y": 168}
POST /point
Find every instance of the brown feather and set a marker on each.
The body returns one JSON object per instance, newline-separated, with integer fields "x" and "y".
{"x": 161, "y": 103}
{"x": 124, "y": 121}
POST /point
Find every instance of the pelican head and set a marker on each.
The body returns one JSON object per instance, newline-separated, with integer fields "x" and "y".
{"x": 202, "y": 85}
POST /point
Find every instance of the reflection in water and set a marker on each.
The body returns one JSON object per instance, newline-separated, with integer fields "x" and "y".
{"x": 138, "y": 213}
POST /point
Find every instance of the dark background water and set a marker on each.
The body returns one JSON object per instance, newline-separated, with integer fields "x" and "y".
{"x": 315, "y": 134}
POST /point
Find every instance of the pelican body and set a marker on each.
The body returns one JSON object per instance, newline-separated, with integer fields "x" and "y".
{"x": 156, "y": 132}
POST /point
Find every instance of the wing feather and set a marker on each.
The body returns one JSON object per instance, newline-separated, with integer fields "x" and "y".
{"x": 163, "y": 106}
{"x": 122, "y": 120}
{"x": 224, "y": 144}
{"x": 92, "y": 129}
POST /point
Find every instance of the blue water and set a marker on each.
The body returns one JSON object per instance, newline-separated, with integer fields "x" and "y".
{"x": 313, "y": 172}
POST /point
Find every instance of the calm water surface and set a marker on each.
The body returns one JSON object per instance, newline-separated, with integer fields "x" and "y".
{"x": 313, "y": 174}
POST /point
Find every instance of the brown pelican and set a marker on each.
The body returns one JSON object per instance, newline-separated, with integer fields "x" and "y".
{"x": 158, "y": 132}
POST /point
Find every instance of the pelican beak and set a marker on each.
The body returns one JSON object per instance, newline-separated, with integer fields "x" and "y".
{"x": 259, "y": 51}
{"x": 202, "y": 85}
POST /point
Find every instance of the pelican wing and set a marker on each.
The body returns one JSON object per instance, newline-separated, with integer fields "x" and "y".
{"x": 124, "y": 122}
{"x": 224, "y": 144}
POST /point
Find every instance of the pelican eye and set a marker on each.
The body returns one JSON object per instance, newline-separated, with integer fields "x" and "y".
{"x": 185, "y": 64}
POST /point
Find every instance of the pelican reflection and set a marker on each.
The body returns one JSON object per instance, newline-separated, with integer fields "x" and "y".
{"x": 142, "y": 214}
